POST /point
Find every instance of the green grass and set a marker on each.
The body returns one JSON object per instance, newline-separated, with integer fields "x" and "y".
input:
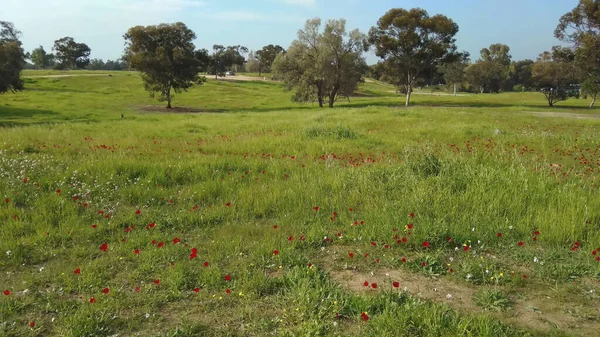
{"x": 241, "y": 182}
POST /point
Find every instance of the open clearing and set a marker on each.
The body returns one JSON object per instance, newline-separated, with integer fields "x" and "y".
{"x": 241, "y": 213}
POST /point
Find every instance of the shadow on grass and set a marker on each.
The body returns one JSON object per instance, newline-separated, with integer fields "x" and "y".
{"x": 11, "y": 117}
{"x": 462, "y": 104}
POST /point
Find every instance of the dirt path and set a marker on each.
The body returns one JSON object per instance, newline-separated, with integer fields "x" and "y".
{"x": 535, "y": 309}
{"x": 566, "y": 115}
{"x": 240, "y": 78}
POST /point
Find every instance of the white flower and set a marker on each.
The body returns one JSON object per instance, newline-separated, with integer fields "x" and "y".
{"x": 8, "y": 252}
{"x": 469, "y": 276}
{"x": 451, "y": 259}
{"x": 510, "y": 227}
{"x": 147, "y": 316}
{"x": 535, "y": 259}
{"x": 473, "y": 229}
{"x": 42, "y": 269}
{"x": 449, "y": 297}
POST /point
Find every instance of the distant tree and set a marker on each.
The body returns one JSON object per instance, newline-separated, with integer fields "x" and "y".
{"x": 12, "y": 58}
{"x": 252, "y": 64}
{"x": 455, "y": 72}
{"x": 521, "y": 74}
{"x": 323, "y": 65}
{"x": 96, "y": 64}
{"x": 166, "y": 57}
{"x": 70, "y": 54}
{"x": 554, "y": 73}
{"x": 486, "y": 76}
{"x": 498, "y": 53}
{"x": 225, "y": 58}
{"x": 413, "y": 43}
{"x": 581, "y": 27}
{"x": 41, "y": 59}
{"x": 266, "y": 56}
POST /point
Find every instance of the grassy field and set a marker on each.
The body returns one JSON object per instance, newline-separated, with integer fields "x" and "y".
{"x": 243, "y": 214}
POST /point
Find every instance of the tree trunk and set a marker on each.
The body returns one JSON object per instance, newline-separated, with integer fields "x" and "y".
{"x": 320, "y": 101}
{"x": 593, "y": 101}
{"x": 408, "y": 92}
{"x": 259, "y": 70}
{"x": 168, "y": 97}
{"x": 455, "y": 89}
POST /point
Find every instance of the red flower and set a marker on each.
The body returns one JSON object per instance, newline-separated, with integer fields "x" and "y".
{"x": 138, "y": 289}
{"x": 451, "y": 270}
{"x": 499, "y": 234}
{"x": 128, "y": 229}
{"x": 92, "y": 300}
{"x": 374, "y": 285}
{"x": 194, "y": 253}
{"x": 153, "y": 242}
{"x": 275, "y": 252}
{"x": 176, "y": 241}
{"x": 316, "y": 208}
{"x": 366, "y": 283}
{"x": 206, "y": 264}
{"x": 448, "y": 239}
{"x": 196, "y": 290}
{"x": 594, "y": 252}
{"x": 227, "y": 277}
{"x": 105, "y": 291}
{"x": 466, "y": 248}
{"x": 152, "y": 225}
{"x": 362, "y": 222}
{"x": 350, "y": 209}
{"x": 373, "y": 243}
{"x": 404, "y": 240}
{"x": 426, "y": 244}
{"x": 138, "y": 212}
{"x": 228, "y": 204}
{"x": 386, "y": 246}
{"x": 160, "y": 244}
{"x": 423, "y": 264}
{"x": 32, "y": 324}
{"x": 409, "y": 226}
{"x": 536, "y": 233}
{"x": 6, "y": 292}
{"x": 58, "y": 191}
{"x": 411, "y": 215}
{"x": 94, "y": 226}
{"x": 291, "y": 238}
{"x": 157, "y": 281}
{"x": 339, "y": 235}
{"x": 396, "y": 284}
{"x": 25, "y": 180}
{"x": 77, "y": 271}
{"x": 6, "y": 201}
{"x": 351, "y": 255}
{"x": 376, "y": 260}
{"x": 136, "y": 252}
{"x": 104, "y": 247}
{"x": 275, "y": 227}
{"x": 521, "y": 243}
{"x": 228, "y": 291}
{"x": 524, "y": 276}
{"x": 404, "y": 260}
{"x": 364, "y": 316}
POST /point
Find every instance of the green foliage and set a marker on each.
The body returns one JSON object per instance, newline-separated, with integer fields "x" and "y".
{"x": 12, "y": 58}
{"x": 323, "y": 66}
{"x": 492, "y": 299}
{"x": 41, "y": 59}
{"x": 554, "y": 73}
{"x": 70, "y": 54}
{"x": 413, "y": 44}
{"x": 266, "y": 56}
{"x": 225, "y": 58}
{"x": 166, "y": 57}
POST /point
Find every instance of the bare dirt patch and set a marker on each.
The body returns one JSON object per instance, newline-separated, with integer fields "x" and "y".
{"x": 174, "y": 110}
{"x": 539, "y": 309}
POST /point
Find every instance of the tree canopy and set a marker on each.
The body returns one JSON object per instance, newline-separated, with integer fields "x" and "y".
{"x": 166, "y": 57}
{"x": 12, "y": 58}
{"x": 225, "y": 58}
{"x": 70, "y": 54}
{"x": 41, "y": 59}
{"x": 323, "y": 64}
{"x": 554, "y": 72}
{"x": 413, "y": 43}
{"x": 266, "y": 56}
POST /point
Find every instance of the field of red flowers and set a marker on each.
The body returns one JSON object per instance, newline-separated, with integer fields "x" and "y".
{"x": 348, "y": 222}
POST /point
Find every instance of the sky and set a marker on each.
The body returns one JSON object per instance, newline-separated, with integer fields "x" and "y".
{"x": 526, "y": 26}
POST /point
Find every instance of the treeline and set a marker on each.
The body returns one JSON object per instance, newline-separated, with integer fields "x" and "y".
{"x": 326, "y": 62}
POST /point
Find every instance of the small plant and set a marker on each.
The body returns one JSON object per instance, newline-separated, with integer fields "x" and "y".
{"x": 492, "y": 300}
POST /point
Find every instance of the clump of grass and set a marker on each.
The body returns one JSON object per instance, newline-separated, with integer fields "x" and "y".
{"x": 337, "y": 132}
{"x": 492, "y": 300}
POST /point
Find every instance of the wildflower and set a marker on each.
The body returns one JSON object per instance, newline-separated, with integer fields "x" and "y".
{"x": 157, "y": 281}
{"x": 105, "y": 291}
{"x": 499, "y": 234}
{"x": 136, "y": 252}
{"x": 92, "y": 300}
{"x": 6, "y": 292}
{"x": 521, "y": 243}
{"x": 396, "y": 284}
{"x": 77, "y": 271}
{"x": 104, "y": 247}
{"x": 275, "y": 252}
{"x": 426, "y": 244}
{"x": 227, "y": 277}
{"x": 366, "y": 283}
{"x": 351, "y": 255}
{"x": 32, "y": 324}
{"x": 374, "y": 285}
{"x": 196, "y": 290}
{"x": 364, "y": 316}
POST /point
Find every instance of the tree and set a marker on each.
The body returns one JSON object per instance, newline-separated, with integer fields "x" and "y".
{"x": 498, "y": 53}
{"x": 12, "y": 58}
{"x": 224, "y": 58}
{"x": 252, "y": 64}
{"x": 454, "y": 72}
{"x": 323, "y": 65}
{"x": 581, "y": 27}
{"x": 166, "y": 57}
{"x": 413, "y": 43}
{"x": 486, "y": 76}
{"x": 70, "y": 54}
{"x": 96, "y": 64}
{"x": 41, "y": 59}
{"x": 266, "y": 56}
{"x": 521, "y": 74}
{"x": 554, "y": 73}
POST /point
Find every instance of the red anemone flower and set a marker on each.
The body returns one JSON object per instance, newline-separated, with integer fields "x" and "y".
{"x": 104, "y": 247}
{"x": 396, "y": 284}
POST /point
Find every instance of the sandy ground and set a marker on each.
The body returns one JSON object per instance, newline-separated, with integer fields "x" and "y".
{"x": 566, "y": 115}
{"x": 59, "y": 76}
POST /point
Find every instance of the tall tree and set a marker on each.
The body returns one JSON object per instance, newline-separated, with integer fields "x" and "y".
{"x": 266, "y": 56}
{"x": 12, "y": 58}
{"x": 498, "y": 53}
{"x": 581, "y": 27}
{"x": 70, "y": 54}
{"x": 41, "y": 59}
{"x": 224, "y": 58}
{"x": 323, "y": 65}
{"x": 166, "y": 57}
{"x": 554, "y": 72}
{"x": 413, "y": 43}
{"x": 455, "y": 72}
{"x": 521, "y": 73}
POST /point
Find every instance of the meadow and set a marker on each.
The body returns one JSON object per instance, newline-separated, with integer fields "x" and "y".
{"x": 241, "y": 213}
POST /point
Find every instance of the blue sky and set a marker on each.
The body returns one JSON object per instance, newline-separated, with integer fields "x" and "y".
{"x": 527, "y": 26}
